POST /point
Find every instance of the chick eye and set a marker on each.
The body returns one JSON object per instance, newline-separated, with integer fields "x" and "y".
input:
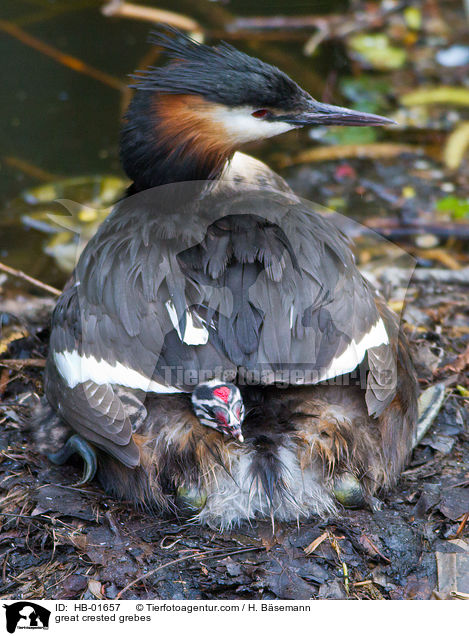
{"x": 220, "y": 416}
{"x": 260, "y": 114}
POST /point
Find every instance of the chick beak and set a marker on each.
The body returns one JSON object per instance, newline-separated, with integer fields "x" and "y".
{"x": 329, "y": 115}
{"x": 236, "y": 432}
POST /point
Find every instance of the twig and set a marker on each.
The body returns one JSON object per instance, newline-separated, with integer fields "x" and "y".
{"x": 394, "y": 229}
{"x": 19, "y": 274}
{"x": 462, "y": 525}
{"x": 18, "y": 364}
{"x": 375, "y": 549}
{"x": 346, "y": 578}
{"x": 362, "y": 583}
{"x": 4, "y": 378}
{"x": 314, "y": 41}
{"x": 184, "y": 558}
{"x": 261, "y": 36}
{"x": 398, "y": 234}
{"x": 138, "y": 12}
{"x": 442, "y": 256}
{"x": 363, "y": 151}
{"x": 282, "y": 22}
{"x": 401, "y": 276}
{"x": 12, "y": 514}
{"x": 328, "y": 26}
{"x": 335, "y": 24}
{"x": 62, "y": 58}
{"x": 30, "y": 169}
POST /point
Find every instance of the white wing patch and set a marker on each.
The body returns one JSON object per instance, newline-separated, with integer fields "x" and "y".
{"x": 355, "y": 352}
{"x": 193, "y": 335}
{"x": 76, "y": 369}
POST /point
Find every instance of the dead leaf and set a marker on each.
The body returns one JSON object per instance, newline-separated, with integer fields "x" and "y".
{"x": 371, "y": 548}
{"x": 64, "y": 501}
{"x": 288, "y": 585}
{"x": 454, "y": 503}
{"x": 95, "y": 588}
{"x": 458, "y": 365}
{"x": 453, "y": 573}
{"x": 456, "y": 146}
{"x": 314, "y": 544}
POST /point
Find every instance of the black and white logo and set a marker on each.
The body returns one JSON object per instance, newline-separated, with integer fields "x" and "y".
{"x": 26, "y": 615}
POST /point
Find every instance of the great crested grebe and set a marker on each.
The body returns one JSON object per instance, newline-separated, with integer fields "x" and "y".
{"x": 212, "y": 264}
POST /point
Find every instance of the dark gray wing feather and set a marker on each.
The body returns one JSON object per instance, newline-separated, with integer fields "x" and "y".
{"x": 272, "y": 281}
{"x": 100, "y": 413}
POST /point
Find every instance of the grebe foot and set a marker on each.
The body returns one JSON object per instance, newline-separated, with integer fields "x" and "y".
{"x": 77, "y": 444}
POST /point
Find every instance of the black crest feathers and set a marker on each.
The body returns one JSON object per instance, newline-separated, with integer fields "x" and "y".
{"x": 218, "y": 73}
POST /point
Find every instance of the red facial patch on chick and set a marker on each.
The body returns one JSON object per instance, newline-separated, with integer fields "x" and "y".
{"x": 222, "y": 392}
{"x": 221, "y": 417}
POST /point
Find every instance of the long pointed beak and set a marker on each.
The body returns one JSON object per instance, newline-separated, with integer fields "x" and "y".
{"x": 328, "y": 115}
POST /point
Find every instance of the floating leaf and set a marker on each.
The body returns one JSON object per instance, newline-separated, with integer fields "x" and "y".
{"x": 344, "y": 136}
{"x": 336, "y": 203}
{"x": 408, "y": 192}
{"x": 413, "y": 18}
{"x": 453, "y": 95}
{"x": 366, "y": 93}
{"x": 376, "y": 50}
{"x": 455, "y": 207}
{"x": 456, "y": 146}
{"x": 102, "y": 190}
{"x": 94, "y": 196}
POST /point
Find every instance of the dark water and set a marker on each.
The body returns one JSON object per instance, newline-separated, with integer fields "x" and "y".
{"x": 66, "y": 123}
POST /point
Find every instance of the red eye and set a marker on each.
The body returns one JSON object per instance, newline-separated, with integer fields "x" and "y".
{"x": 259, "y": 114}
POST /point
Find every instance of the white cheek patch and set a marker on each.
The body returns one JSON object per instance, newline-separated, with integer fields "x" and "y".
{"x": 76, "y": 369}
{"x": 355, "y": 352}
{"x": 241, "y": 126}
{"x": 193, "y": 335}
